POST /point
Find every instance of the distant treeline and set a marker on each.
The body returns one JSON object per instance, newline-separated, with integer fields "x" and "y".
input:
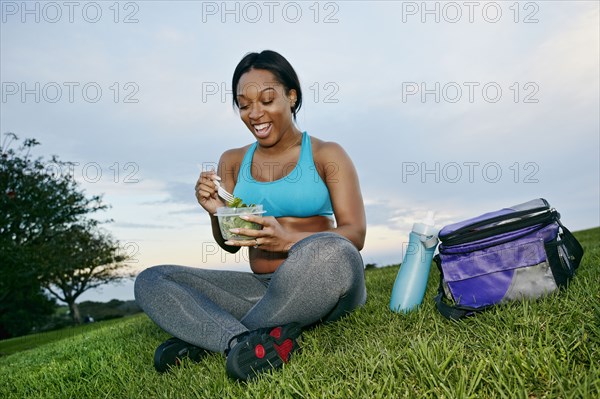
{"x": 108, "y": 310}
{"x": 91, "y": 311}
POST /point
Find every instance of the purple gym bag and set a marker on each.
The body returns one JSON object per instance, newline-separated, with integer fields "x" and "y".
{"x": 518, "y": 252}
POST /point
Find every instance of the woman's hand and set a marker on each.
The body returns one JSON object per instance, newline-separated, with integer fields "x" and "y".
{"x": 273, "y": 237}
{"x": 206, "y": 192}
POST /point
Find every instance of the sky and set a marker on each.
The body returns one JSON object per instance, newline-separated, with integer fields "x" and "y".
{"x": 460, "y": 108}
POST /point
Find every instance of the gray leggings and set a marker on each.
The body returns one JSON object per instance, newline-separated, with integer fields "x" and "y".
{"x": 321, "y": 280}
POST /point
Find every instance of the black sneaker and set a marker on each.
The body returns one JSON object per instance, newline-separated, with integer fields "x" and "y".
{"x": 171, "y": 352}
{"x": 260, "y": 350}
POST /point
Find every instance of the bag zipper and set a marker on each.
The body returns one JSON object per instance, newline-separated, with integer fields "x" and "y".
{"x": 525, "y": 218}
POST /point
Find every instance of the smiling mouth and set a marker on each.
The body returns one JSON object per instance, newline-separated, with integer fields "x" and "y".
{"x": 262, "y": 129}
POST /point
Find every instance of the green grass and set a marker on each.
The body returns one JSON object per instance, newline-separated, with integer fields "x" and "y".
{"x": 14, "y": 345}
{"x": 548, "y": 348}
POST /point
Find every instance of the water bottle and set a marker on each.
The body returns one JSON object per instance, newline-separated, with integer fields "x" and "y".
{"x": 412, "y": 277}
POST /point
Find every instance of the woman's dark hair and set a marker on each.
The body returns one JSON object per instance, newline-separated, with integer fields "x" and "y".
{"x": 276, "y": 64}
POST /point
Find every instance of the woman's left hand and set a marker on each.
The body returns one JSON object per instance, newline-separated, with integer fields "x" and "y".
{"x": 273, "y": 237}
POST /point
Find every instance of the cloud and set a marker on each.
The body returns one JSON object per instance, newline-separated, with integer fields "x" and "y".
{"x": 127, "y": 225}
{"x": 384, "y": 213}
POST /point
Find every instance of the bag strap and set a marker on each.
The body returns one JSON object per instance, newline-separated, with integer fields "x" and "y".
{"x": 574, "y": 247}
{"x": 448, "y": 311}
{"x": 564, "y": 256}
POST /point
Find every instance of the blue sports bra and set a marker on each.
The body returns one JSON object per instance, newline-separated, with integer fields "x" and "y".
{"x": 301, "y": 193}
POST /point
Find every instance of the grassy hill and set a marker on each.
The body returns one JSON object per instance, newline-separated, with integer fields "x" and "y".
{"x": 548, "y": 348}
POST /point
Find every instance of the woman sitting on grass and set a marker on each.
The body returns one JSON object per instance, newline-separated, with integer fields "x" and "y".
{"x": 306, "y": 265}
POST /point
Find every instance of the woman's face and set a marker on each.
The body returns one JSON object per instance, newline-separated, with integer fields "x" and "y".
{"x": 264, "y": 106}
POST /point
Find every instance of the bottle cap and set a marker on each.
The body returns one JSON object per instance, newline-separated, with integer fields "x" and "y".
{"x": 427, "y": 227}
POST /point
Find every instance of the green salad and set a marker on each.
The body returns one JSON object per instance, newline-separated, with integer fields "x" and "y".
{"x": 238, "y": 203}
{"x": 230, "y": 219}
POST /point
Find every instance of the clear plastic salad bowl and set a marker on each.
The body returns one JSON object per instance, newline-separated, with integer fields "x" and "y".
{"x": 229, "y": 218}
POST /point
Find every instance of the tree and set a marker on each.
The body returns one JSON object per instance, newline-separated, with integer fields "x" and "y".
{"x": 81, "y": 258}
{"x": 37, "y": 206}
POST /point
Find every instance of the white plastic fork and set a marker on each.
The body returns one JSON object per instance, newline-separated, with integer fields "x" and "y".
{"x": 226, "y": 195}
